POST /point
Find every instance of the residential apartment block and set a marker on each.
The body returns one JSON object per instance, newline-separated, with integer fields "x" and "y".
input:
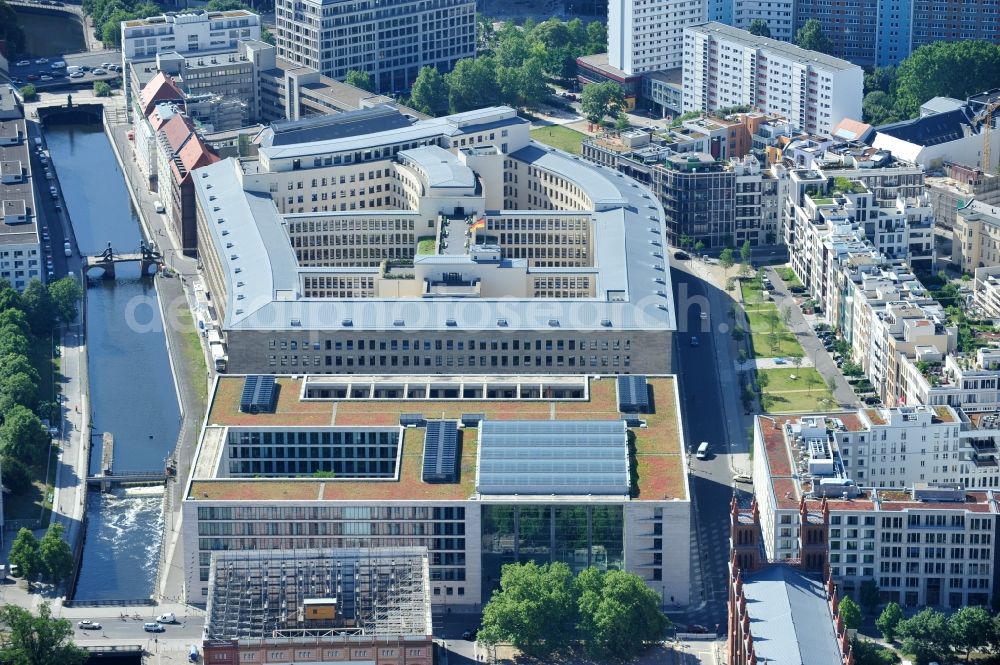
{"x": 391, "y": 40}
{"x": 923, "y": 543}
{"x": 717, "y": 202}
{"x": 369, "y": 242}
{"x": 479, "y": 470}
{"x": 986, "y": 291}
{"x": 726, "y": 67}
{"x": 884, "y": 32}
{"x": 648, "y": 35}
{"x": 779, "y": 15}
{"x": 955, "y": 185}
{"x": 976, "y": 237}
{"x": 20, "y": 249}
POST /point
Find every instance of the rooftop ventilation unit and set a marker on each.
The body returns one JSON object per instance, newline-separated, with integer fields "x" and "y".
{"x": 347, "y": 323}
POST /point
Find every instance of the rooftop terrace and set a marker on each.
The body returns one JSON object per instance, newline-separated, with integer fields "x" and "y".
{"x": 655, "y": 451}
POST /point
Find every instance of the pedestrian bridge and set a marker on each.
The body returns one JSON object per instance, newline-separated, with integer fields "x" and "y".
{"x": 147, "y": 257}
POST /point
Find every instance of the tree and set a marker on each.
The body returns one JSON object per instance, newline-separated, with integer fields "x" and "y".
{"x": 601, "y": 99}
{"x": 952, "y": 69}
{"x": 746, "y": 252}
{"x": 869, "y": 594}
{"x": 699, "y": 245}
{"x": 535, "y": 609}
{"x": 810, "y": 36}
{"x": 24, "y": 554}
{"x": 430, "y": 94}
{"x": 38, "y": 307}
{"x": 15, "y": 318}
{"x": 759, "y": 27}
{"x": 18, "y": 390}
{"x": 360, "y": 79}
{"x": 727, "y": 260}
{"x": 597, "y": 37}
{"x": 888, "y": 621}
{"x": 16, "y": 478}
{"x": 926, "y": 635}
{"x": 10, "y": 29}
{"x": 54, "y": 555}
{"x": 41, "y": 640}
{"x": 486, "y": 34}
{"x": 870, "y": 653}
{"x": 225, "y": 5}
{"x": 850, "y": 612}
{"x": 102, "y": 89}
{"x": 266, "y": 36}
{"x": 472, "y": 84}
{"x": 512, "y": 52}
{"x": 621, "y": 122}
{"x": 619, "y": 614}
{"x": 29, "y": 93}
{"x": 882, "y": 79}
{"x": 971, "y": 629}
{"x": 22, "y": 435}
{"x": 65, "y": 293}
{"x": 12, "y": 342}
{"x": 18, "y": 364}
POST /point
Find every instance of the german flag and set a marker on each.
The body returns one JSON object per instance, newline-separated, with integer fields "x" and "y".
{"x": 478, "y": 224}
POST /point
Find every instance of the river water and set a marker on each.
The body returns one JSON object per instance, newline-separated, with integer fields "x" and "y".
{"x": 131, "y": 385}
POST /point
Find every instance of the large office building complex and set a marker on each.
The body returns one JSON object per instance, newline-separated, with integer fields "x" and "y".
{"x": 648, "y": 36}
{"x": 479, "y": 470}
{"x": 367, "y": 242}
{"x": 726, "y": 67}
{"x": 391, "y": 40}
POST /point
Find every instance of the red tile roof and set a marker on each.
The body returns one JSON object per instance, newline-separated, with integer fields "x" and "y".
{"x": 177, "y": 131}
{"x": 195, "y": 154}
{"x": 161, "y": 88}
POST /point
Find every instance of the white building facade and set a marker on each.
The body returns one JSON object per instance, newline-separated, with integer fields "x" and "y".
{"x": 648, "y": 35}
{"x": 726, "y": 67}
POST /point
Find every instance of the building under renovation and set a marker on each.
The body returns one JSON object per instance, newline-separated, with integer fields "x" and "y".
{"x": 320, "y": 606}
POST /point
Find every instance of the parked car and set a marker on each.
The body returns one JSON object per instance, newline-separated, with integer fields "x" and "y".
{"x": 77, "y": 75}
{"x": 681, "y": 256}
{"x": 696, "y": 628}
{"x": 58, "y": 64}
{"x": 743, "y": 478}
{"x": 45, "y": 77}
{"x": 153, "y": 627}
{"x": 88, "y": 625}
{"x": 99, "y": 71}
{"x": 107, "y": 65}
{"x": 22, "y": 63}
{"x": 42, "y": 61}
{"x": 32, "y": 77}
{"x": 169, "y": 617}
{"x": 779, "y": 361}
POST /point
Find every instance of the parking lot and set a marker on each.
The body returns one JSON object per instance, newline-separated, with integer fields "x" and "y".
{"x": 99, "y": 66}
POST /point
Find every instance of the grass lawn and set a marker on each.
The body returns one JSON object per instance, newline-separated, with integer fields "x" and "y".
{"x": 759, "y": 318}
{"x": 807, "y": 392}
{"x": 751, "y": 290}
{"x": 787, "y": 345}
{"x": 559, "y": 137}
{"x": 788, "y": 276}
{"x": 194, "y": 356}
{"x": 425, "y": 245}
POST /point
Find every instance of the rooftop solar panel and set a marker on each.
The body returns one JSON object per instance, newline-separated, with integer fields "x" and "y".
{"x": 633, "y": 394}
{"x": 249, "y": 388}
{"x": 553, "y": 457}
{"x": 441, "y": 452}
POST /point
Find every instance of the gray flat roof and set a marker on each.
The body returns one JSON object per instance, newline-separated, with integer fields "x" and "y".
{"x": 18, "y": 157}
{"x": 788, "y": 50}
{"x": 790, "y": 618}
{"x": 633, "y": 289}
{"x": 441, "y": 167}
{"x": 542, "y": 457}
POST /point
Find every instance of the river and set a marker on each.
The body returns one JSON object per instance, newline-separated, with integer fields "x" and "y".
{"x": 131, "y": 385}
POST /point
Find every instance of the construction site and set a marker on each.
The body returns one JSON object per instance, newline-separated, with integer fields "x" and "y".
{"x": 329, "y": 605}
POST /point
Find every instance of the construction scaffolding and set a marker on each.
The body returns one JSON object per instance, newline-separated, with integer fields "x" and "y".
{"x": 273, "y": 594}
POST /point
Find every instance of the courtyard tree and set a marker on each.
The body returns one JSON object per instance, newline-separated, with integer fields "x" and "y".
{"x": 759, "y": 27}
{"x": 810, "y": 37}
{"x": 619, "y": 614}
{"x": 599, "y": 100}
{"x": 360, "y": 79}
{"x": 430, "y": 94}
{"x": 888, "y": 621}
{"x": 850, "y": 612}
{"x": 727, "y": 260}
{"x": 24, "y": 554}
{"x": 55, "y": 557}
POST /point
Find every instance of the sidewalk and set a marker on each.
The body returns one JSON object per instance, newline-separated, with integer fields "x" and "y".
{"x": 811, "y": 345}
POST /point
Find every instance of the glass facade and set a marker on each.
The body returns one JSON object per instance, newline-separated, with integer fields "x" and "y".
{"x": 580, "y": 536}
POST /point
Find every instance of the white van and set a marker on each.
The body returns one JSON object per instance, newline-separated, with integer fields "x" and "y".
{"x": 159, "y": 207}
{"x": 67, "y": 248}
{"x": 702, "y": 450}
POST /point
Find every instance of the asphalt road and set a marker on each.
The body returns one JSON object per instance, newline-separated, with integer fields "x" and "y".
{"x": 19, "y": 73}
{"x": 50, "y": 220}
{"x": 113, "y": 628}
{"x": 707, "y": 411}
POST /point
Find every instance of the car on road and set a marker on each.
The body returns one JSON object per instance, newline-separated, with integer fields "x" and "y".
{"x": 22, "y": 63}
{"x": 45, "y": 236}
{"x": 153, "y": 627}
{"x": 107, "y": 65}
{"x": 743, "y": 478}
{"x": 697, "y": 629}
{"x": 45, "y": 77}
{"x": 168, "y": 617}
{"x": 42, "y": 61}
{"x": 702, "y": 452}
{"x": 32, "y": 77}
{"x": 99, "y": 71}
{"x": 681, "y": 256}
{"x": 469, "y": 635}
{"x": 77, "y": 75}
{"x": 58, "y": 64}
{"x": 86, "y": 624}
{"x": 694, "y": 341}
